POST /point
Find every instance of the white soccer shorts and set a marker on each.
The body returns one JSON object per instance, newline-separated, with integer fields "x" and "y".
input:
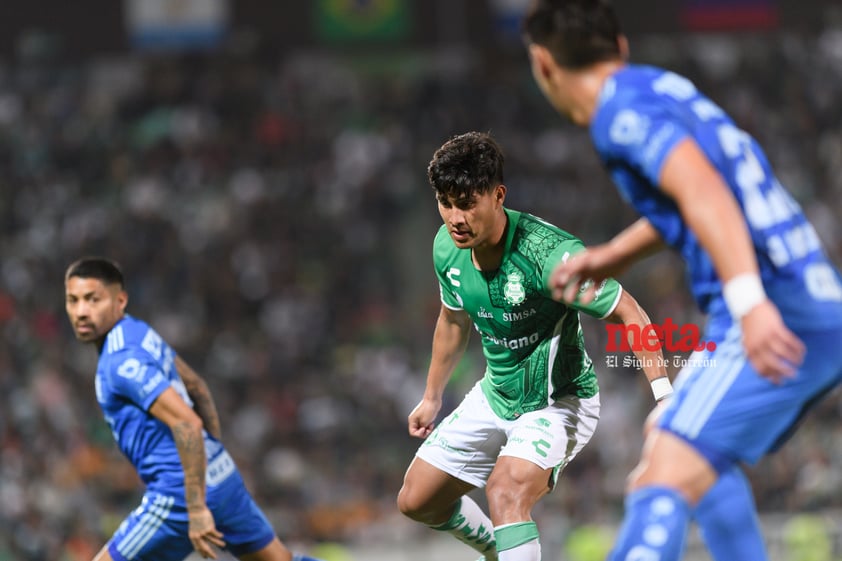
{"x": 467, "y": 443}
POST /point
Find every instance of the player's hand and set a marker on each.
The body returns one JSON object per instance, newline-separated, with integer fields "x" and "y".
{"x": 773, "y": 350}
{"x": 203, "y": 533}
{"x": 577, "y": 278}
{"x": 421, "y": 419}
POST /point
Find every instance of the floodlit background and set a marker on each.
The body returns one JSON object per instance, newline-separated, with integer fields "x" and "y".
{"x": 258, "y": 169}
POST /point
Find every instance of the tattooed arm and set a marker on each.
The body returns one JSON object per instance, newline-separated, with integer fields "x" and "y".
{"x": 203, "y": 403}
{"x": 186, "y": 427}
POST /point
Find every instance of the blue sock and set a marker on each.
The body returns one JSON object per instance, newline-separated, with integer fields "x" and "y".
{"x": 727, "y": 520}
{"x": 303, "y": 558}
{"x": 654, "y": 527}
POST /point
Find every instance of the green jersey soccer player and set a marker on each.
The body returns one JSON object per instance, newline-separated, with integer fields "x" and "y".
{"x": 538, "y": 403}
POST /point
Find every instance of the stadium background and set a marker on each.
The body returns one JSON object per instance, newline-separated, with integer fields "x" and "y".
{"x": 258, "y": 170}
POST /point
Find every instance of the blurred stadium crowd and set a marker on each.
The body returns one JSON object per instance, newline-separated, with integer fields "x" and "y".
{"x": 274, "y": 223}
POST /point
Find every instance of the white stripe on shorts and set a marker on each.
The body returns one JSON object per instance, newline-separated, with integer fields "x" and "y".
{"x": 710, "y": 388}
{"x": 146, "y": 527}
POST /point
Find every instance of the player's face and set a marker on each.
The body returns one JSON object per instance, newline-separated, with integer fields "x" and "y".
{"x": 473, "y": 221}
{"x": 93, "y": 307}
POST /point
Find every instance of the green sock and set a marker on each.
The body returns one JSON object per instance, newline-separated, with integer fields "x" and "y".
{"x": 518, "y": 541}
{"x": 470, "y": 525}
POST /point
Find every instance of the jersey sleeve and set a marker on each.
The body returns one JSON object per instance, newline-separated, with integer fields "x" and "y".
{"x": 136, "y": 376}
{"x": 639, "y": 132}
{"x": 449, "y": 298}
{"x": 607, "y": 293}
{"x": 447, "y": 275}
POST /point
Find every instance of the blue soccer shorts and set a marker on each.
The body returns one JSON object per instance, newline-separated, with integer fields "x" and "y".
{"x": 158, "y": 529}
{"x": 729, "y": 413}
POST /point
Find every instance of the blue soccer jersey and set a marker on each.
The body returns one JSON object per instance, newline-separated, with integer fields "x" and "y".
{"x": 643, "y": 113}
{"x": 724, "y": 408}
{"x": 135, "y": 366}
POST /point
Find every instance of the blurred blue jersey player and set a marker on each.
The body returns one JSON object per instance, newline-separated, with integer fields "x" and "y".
{"x": 756, "y": 266}
{"x": 165, "y": 422}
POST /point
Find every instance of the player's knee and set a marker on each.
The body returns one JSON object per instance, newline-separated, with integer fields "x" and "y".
{"x": 652, "y": 418}
{"x": 411, "y": 505}
{"x": 508, "y": 497}
{"x": 404, "y": 501}
{"x": 633, "y": 478}
{"x": 103, "y": 555}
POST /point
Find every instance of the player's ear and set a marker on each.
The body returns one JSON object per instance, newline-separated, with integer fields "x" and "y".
{"x": 122, "y": 300}
{"x": 542, "y": 61}
{"x": 623, "y": 45}
{"x": 500, "y": 194}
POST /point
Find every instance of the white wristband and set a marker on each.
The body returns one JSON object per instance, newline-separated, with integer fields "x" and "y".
{"x": 661, "y": 388}
{"x": 742, "y": 293}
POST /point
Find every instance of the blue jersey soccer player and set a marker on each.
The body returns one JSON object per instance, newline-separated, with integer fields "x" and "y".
{"x": 756, "y": 266}
{"x": 165, "y": 422}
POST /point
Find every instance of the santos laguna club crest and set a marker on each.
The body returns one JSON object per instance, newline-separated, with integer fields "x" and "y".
{"x": 514, "y": 291}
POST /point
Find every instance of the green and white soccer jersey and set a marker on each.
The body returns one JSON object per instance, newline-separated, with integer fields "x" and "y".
{"x": 533, "y": 345}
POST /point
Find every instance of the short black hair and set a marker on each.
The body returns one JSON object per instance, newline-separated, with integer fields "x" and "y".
{"x": 466, "y": 164}
{"x": 99, "y": 268}
{"x": 577, "y": 33}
